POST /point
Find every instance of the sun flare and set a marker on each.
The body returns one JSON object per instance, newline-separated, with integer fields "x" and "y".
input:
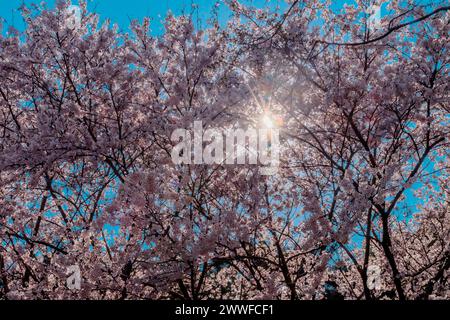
{"x": 267, "y": 121}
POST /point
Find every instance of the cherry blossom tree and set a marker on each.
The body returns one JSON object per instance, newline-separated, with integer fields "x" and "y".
{"x": 359, "y": 205}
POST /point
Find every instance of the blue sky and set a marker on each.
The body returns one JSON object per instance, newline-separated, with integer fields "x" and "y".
{"x": 122, "y": 12}
{"x": 118, "y": 11}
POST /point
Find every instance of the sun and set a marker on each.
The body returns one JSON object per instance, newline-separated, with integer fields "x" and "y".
{"x": 269, "y": 121}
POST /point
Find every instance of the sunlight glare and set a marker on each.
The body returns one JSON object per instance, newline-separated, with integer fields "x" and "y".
{"x": 267, "y": 121}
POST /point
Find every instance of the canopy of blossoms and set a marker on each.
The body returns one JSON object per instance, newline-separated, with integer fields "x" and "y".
{"x": 359, "y": 207}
